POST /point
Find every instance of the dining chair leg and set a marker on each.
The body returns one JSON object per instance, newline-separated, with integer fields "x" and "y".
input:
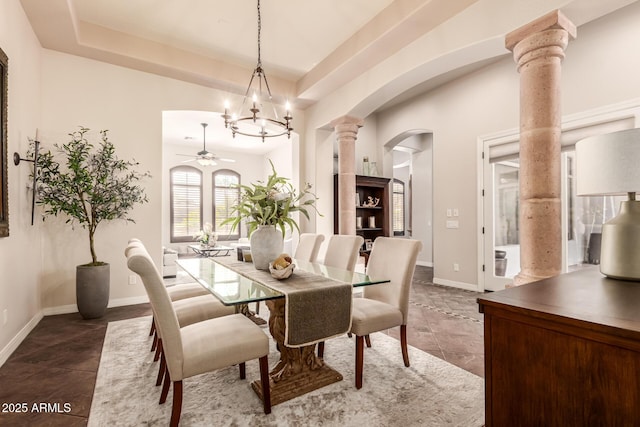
{"x": 403, "y": 344}
{"x": 243, "y": 371}
{"x": 177, "y": 404}
{"x": 153, "y": 326}
{"x": 266, "y": 388}
{"x": 165, "y": 386}
{"x": 321, "y": 349}
{"x": 163, "y": 367}
{"x": 155, "y": 341}
{"x": 367, "y": 340}
{"x": 359, "y": 360}
{"x": 158, "y": 350}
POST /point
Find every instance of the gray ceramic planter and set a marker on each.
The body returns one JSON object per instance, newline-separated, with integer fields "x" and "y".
{"x": 92, "y": 290}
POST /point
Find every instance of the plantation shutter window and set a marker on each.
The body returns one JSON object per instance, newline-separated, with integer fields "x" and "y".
{"x": 398, "y": 208}
{"x": 226, "y": 194}
{"x": 186, "y": 203}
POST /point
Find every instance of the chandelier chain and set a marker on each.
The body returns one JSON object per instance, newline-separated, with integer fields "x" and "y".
{"x": 269, "y": 126}
{"x": 259, "y": 31}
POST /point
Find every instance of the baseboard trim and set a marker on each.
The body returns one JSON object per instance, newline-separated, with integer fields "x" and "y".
{"x": 128, "y": 301}
{"x": 20, "y": 336}
{"x": 52, "y": 311}
{"x": 73, "y": 308}
{"x": 425, "y": 263}
{"x": 60, "y": 309}
{"x": 454, "y": 284}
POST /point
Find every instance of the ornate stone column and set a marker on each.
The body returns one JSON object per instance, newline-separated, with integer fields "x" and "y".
{"x": 538, "y": 49}
{"x": 346, "y": 128}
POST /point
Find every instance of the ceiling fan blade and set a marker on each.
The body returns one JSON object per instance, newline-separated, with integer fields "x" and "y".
{"x": 187, "y": 161}
{"x": 225, "y": 160}
{"x": 185, "y": 155}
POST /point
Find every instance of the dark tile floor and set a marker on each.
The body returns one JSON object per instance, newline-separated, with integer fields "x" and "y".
{"x": 58, "y": 362}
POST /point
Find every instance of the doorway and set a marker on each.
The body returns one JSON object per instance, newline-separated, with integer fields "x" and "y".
{"x": 412, "y": 193}
{"x": 582, "y": 217}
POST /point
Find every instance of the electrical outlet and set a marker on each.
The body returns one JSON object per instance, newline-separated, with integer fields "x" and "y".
{"x": 5, "y": 316}
{"x": 456, "y": 267}
{"x": 132, "y": 279}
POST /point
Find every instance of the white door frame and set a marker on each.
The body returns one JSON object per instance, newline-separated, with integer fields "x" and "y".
{"x": 574, "y": 127}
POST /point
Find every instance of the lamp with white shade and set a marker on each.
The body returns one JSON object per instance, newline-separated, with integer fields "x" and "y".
{"x": 610, "y": 165}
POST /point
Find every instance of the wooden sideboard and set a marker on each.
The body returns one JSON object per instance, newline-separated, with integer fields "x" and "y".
{"x": 563, "y": 351}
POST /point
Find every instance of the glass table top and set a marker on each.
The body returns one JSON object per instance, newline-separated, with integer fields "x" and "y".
{"x": 345, "y": 276}
{"x": 232, "y": 288}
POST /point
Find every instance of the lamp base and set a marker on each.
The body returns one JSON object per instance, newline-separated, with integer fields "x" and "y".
{"x": 620, "y": 249}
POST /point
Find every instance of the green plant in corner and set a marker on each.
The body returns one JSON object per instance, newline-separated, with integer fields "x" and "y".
{"x": 271, "y": 203}
{"x": 88, "y": 183}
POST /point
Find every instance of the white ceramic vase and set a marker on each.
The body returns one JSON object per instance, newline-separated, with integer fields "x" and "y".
{"x": 266, "y": 244}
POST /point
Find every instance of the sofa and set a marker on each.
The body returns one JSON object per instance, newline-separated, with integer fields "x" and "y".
{"x": 169, "y": 258}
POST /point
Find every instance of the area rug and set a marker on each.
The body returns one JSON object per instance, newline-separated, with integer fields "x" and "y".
{"x": 430, "y": 392}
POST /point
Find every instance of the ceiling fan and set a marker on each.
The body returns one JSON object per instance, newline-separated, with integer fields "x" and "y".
{"x": 204, "y": 157}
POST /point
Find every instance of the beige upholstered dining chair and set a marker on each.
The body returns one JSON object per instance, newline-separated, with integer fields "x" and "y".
{"x": 308, "y": 247}
{"x": 343, "y": 251}
{"x": 385, "y": 305}
{"x": 192, "y": 302}
{"x": 200, "y": 347}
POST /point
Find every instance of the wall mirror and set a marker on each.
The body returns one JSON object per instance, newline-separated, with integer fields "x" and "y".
{"x": 4, "y": 188}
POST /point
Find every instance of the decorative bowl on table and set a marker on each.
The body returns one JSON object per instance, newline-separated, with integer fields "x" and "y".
{"x": 282, "y": 267}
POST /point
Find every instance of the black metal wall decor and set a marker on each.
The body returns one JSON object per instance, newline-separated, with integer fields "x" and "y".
{"x": 16, "y": 161}
{"x": 4, "y": 186}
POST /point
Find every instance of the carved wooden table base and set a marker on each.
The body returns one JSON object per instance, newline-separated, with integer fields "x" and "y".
{"x": 299, "y": 370}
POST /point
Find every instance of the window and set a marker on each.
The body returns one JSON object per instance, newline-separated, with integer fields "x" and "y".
{"x": 226, "y": 194}
{"x": 398, "y": 208}
{"x": 186, "y": 203}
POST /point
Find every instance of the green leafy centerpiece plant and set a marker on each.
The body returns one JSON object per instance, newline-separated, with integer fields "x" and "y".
{"x": 266, "y": 208}
{"x": 89, "y": 184}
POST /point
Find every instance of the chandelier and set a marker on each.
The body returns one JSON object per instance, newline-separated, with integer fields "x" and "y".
{"x": 257, "y": 122}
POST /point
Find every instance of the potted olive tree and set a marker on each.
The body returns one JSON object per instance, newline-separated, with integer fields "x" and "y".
{"x": 266, "y": 208}
{"x": 89, "y": 184}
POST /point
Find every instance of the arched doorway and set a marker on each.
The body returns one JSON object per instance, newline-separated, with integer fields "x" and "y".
{"x": 412, "y": 188}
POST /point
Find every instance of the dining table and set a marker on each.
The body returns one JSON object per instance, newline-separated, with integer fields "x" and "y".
{"x": 311, "y": 306}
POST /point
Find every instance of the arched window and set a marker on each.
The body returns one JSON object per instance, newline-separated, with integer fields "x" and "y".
{"x": 186, "y": 203}
{"x": 398, "y": 208}
{"x": 226, "y": 194}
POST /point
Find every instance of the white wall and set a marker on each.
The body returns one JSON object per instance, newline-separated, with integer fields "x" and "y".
{"x": 21, "y": 253}
{"x": 455, "y": 123}
{"x": 57, "y": 92}
{"x": 599, "y": 70}
{"x": 130, "y": 104}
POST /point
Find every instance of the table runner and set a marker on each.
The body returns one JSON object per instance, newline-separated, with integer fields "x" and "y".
{"x": 316, "y": 308}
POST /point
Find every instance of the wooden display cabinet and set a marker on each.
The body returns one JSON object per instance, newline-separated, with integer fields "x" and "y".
{"x": 375, "y": 221}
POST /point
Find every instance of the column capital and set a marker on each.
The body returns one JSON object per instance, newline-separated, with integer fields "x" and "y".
{"x": 347, "y": 120}
{"x": 554, "y": 20}
{"x": 348, "y": 124}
